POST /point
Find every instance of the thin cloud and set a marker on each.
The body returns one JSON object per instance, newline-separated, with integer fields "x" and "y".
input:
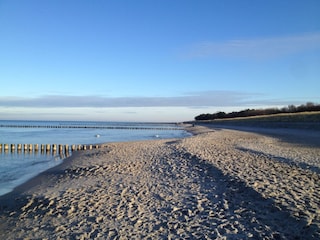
{"x": 261, "y": 48}
{"x": 192, "y": 99}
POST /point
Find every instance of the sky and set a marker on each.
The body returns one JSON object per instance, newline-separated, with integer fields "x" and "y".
{"x": 158, "y": 61}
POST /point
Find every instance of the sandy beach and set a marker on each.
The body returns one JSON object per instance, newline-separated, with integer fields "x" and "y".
{"x": 217, "y": 184}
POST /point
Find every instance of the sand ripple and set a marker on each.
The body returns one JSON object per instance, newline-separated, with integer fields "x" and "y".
{"x": 216, "y": 185}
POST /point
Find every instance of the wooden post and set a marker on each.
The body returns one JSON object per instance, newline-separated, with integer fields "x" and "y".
{"x": 66, "y": 149}
{"x": 19, "y": 147}
{"x": 6, "y": 146}
{"x": 36, "y": 147}
{"x": 30, "y": 147}
{"x": 48, "y": 147}
{"x": 60, "y": 148}
{"x": 90, "y": 147}
{"x": 25, "y": 147}
{"x": 73, "y": 148}
{"x": 13, "y": 147}
{"x": 54, "y": 147}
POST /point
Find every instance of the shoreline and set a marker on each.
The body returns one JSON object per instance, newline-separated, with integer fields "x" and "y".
{"x": 213, "y": 183}
{"x": 39, "y": 178}
{"x": 77, "y": 146}
{"x": 307, "y": 137}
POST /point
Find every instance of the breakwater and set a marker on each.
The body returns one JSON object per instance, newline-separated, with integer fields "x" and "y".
{"x": 90, "y": 127}
{"x": 44, "y": 148}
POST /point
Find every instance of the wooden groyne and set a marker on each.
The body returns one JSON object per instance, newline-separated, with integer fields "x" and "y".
{"x": 44, "y": 148}
{"x": 89, "y": 127}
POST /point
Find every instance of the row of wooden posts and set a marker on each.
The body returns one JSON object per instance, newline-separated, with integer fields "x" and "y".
{"x": 90, "y": 127}
{"x": 45, "y": 147}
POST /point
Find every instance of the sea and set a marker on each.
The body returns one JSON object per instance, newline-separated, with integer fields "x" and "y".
{"x": 18, "y": 166}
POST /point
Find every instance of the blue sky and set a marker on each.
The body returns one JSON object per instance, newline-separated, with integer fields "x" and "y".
{"x": 161, "y": 60}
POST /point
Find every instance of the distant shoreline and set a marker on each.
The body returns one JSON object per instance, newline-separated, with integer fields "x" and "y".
{"x": 305, "y": 120}
{"x": 300, "y": 128}
{"x": 289, "y": 133}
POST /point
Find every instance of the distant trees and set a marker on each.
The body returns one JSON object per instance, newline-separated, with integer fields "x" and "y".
{"x": 308, "y": 107}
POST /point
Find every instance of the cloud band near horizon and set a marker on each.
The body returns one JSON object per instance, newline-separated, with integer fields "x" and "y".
{"x": 192, "y": 100}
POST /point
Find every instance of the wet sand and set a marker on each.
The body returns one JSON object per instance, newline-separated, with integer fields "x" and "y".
{"x": 217, "y": 184}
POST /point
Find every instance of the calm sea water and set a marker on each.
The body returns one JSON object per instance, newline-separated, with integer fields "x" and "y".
{"x": 18, "y": 167}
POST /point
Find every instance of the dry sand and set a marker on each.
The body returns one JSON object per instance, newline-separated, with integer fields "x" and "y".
{"x": 218, "y": 184}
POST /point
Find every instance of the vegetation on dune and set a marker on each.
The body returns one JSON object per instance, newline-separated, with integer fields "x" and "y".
{"x": 308, "y": 107}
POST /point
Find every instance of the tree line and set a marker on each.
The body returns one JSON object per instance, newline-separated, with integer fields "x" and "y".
{"x": 308, "y": 107}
